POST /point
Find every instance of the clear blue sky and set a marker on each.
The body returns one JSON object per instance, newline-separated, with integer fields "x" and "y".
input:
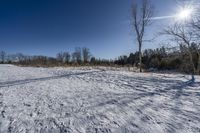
{"x": 46, "y": 27}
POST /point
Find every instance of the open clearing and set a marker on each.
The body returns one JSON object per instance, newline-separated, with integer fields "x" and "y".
{"x": 91, "y": 100}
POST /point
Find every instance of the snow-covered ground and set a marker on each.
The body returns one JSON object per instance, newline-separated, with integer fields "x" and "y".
{"x": 81, "y": 100}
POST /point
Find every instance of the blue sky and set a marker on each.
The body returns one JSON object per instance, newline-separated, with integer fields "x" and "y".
{"x": 45, "y": 27}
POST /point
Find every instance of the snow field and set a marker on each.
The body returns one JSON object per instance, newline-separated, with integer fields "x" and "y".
{"x": 91, "y": 100}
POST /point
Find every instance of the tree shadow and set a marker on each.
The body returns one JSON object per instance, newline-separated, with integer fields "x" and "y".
{"x": 173, "y": 91}
{"x": 123, "y": 99}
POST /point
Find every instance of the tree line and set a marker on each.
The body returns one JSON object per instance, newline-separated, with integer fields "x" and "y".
{"x": 80, "y": 56}
{"x": 174, "y": 58}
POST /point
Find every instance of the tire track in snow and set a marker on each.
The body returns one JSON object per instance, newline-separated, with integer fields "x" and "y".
{"x": 26, "y": 81}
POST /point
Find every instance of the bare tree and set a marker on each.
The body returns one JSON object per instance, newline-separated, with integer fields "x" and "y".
{"x": 59, "y": 57}
{"x": 20, "y": 57}
{"x": 66, "y": 57}
{"x": 183, "y": 35}
{"x": 76, "y": 56}
{"x": 141, "y": 19}
{"x": 86, "y": 54}
{"x": 196, "y": 28}
{"x": 187, "y": 32}
{"x": 195, "y": 23}
{"x": 196, "y": 31}
{"x": 2, "y": 55}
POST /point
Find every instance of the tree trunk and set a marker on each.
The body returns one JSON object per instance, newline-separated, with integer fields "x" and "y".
{"x": 140, "y": 56}
{"x": 198, "y": 65}
{"x": 191, "y": 62}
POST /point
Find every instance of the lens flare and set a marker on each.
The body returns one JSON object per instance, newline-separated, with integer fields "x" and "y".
{"x": 185, "y": 14}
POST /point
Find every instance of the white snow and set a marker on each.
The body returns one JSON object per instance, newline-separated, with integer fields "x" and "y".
{"x": 90, "y": 100}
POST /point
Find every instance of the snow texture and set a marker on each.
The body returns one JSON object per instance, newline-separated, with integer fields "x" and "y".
{"x": 86, "y": 100}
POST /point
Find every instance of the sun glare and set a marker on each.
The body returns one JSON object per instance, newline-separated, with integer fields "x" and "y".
{"x": 184, "y": 14}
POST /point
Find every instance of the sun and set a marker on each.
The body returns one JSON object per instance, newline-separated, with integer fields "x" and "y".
{"x": 185, "y": 14}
